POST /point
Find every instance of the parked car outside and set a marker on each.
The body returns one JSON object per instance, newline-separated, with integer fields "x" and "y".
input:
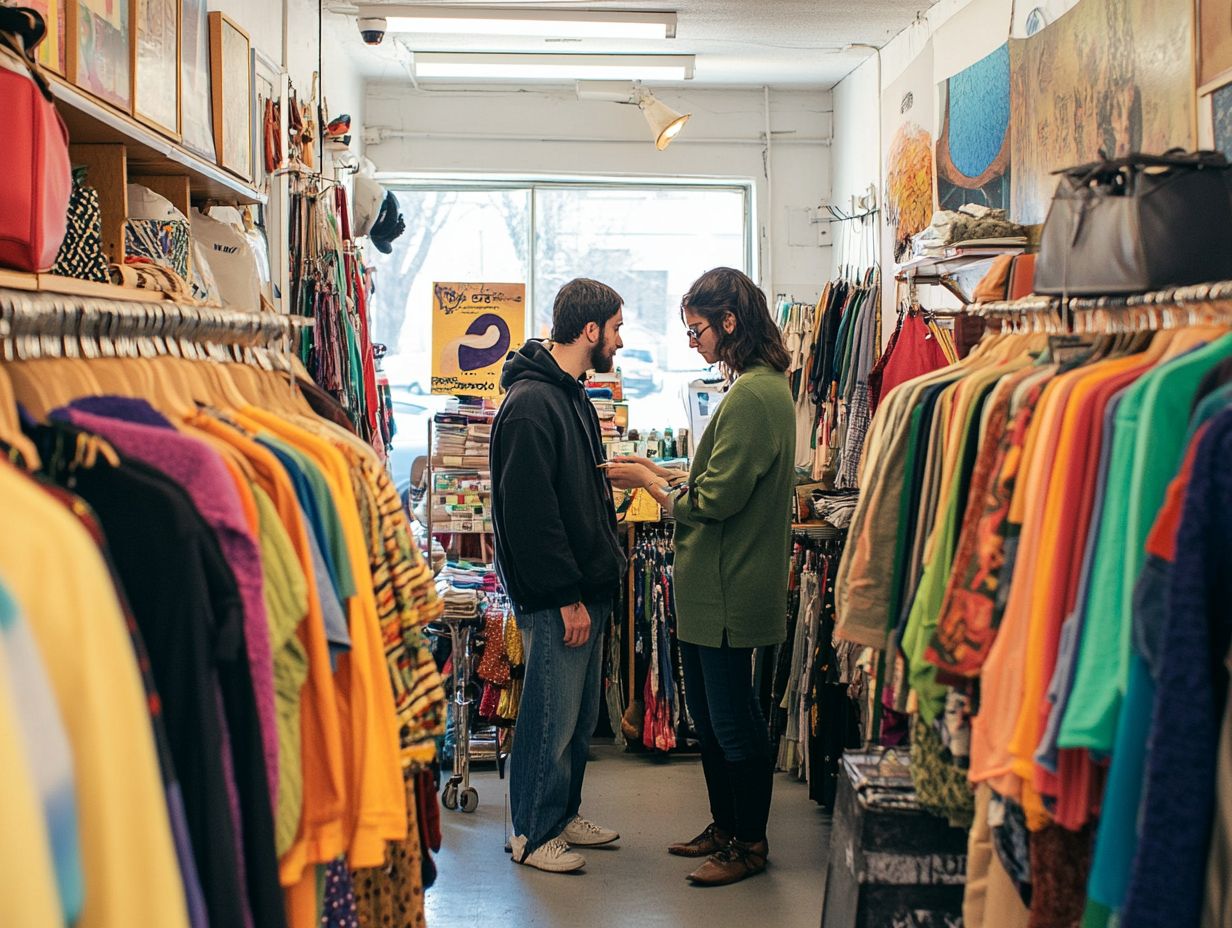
{"x": 639, "y": 369}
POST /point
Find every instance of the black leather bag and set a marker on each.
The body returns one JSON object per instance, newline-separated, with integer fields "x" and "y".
{"x": 1138, "y": 223}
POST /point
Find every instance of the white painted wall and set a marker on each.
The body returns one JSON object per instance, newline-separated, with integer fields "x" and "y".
{"x": 962, "y": 32}
{"x": 526, "y": 133}
{"x": 857, "y": 126}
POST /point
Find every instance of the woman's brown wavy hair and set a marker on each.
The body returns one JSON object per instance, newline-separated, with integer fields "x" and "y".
{"x": 755, "y": 339}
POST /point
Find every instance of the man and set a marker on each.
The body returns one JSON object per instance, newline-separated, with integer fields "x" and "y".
{"x": 560, "y": 560}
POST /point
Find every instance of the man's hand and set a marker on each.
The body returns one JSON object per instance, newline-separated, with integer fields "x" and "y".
{"x": 577, "y": 624}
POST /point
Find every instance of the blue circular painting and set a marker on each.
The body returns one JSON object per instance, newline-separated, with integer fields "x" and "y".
{"x": 979, "y": 112}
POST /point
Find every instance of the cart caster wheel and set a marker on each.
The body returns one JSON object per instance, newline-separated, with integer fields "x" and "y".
{"x": 449, "y": 797}
{"x": 469, "y": 799}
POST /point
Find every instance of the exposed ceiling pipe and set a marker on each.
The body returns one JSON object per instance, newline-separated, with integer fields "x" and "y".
{"x": 769, "y": 220}
{"x": 375, "y": 135}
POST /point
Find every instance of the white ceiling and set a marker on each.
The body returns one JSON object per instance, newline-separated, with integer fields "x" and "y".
{"x": 780, "y": 43}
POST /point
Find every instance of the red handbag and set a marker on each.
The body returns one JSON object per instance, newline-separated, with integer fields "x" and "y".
{"x": 38, "y": 176}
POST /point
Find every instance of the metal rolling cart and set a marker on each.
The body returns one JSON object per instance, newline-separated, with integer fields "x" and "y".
{"x": 458, "y": 792}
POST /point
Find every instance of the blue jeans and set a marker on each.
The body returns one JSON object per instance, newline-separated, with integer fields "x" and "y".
{"x": 557, "y": 716}
{"x": 735, "y": 741}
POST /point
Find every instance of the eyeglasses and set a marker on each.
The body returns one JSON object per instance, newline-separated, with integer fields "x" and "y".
{"x": 695, "y": 333}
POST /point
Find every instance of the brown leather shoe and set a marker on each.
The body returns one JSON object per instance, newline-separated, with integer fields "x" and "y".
{"x": 732, "y": 863}
{"x": 708, "y": 842}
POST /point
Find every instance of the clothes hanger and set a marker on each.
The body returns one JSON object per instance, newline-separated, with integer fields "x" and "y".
{"x": 169, "y": 363}
{"x": 65, "y": 378}
{"x": 187, "y": 358}
{"x": 10, "y": 425}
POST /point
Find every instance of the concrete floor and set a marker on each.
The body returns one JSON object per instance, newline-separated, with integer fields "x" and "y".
{"x": 634, "y": 882}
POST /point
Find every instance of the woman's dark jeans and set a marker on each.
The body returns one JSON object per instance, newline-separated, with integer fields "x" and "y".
{"x": 735, "y": 742}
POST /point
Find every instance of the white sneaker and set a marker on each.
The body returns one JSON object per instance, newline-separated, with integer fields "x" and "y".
{"x": 582, "y": 833}
{"x": 553, "y": 857}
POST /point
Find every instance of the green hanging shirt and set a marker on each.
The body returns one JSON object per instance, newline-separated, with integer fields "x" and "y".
{"x": 1151, "y": 422}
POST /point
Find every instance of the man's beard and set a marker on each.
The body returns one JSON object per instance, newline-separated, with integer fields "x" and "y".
{"x": 600, "y": 360}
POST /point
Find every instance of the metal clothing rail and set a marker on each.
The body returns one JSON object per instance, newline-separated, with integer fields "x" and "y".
{"x": 45, "y": 324}
{"x": 817, "y": 530}
{"x": 1195, "y": 296}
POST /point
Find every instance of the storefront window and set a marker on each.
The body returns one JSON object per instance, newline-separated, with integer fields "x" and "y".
{"x": 648, "y": 242}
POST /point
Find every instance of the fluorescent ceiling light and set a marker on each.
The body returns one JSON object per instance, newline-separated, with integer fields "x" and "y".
{"x": 553, "y": 67}
{"x": 569, "y": 24}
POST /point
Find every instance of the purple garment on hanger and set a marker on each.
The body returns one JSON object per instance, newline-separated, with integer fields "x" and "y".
{"x": 138, "y": 431}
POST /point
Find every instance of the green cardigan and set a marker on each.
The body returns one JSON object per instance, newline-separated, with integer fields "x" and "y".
{"x": 733, "y": 527}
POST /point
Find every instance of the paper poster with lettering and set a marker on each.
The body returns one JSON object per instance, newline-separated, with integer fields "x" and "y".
{"x": 474, "y": 327}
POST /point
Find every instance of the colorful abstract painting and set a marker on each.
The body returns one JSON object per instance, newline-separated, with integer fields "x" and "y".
{"x": 973, "y": 149}
{"x": 907, "y": 121}
{"x": 1110, "y": 75}
{"x": 103, "y": 51}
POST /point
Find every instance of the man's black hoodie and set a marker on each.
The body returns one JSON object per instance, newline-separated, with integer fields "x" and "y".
{"x": 555, "y": 525}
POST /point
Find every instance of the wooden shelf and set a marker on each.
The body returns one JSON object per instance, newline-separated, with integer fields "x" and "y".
{"x": 941, "y": 266}
{"x": 945, "y": 271}
{"x": 150, "y": 154}
{"x": 17, "y": 280}
{"x": 71, "y": 286}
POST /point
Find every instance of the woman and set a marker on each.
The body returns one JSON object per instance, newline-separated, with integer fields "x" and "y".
{"x": 733, "y": 536}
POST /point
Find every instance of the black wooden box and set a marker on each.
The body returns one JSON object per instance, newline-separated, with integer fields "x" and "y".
{"x": 892, "y": 865}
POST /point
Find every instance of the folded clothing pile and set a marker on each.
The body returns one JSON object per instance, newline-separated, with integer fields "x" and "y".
{"x": 835, "y": 506}
{"x": 967, "y": 225}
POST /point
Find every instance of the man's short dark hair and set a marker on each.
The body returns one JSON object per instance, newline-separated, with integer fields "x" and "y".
{"x": 579, "y": 303}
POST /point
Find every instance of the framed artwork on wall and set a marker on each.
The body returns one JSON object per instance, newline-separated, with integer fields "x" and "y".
{"x": 1214, "y": 40}
{"x": 1110, "y": 75}
{"x": 231, "y": 94}
{"x": 100, "y": 50}
{"x": 1215, "y": 114}
{"x": 52, "y": 53}
{"x": 196, "y": 112}
{"x": 156, "y": 65}
{"x": 973, "y": 150}
{"x": 266, "y": 109}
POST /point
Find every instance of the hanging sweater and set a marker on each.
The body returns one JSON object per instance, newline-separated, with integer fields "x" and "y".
{"x": 733, "y": 527}
{"x": 1174, "y": 832}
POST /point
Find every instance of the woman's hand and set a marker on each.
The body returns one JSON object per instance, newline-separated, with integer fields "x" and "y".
{"x": 629, "y": 475}
{"x": 650, "y": 465}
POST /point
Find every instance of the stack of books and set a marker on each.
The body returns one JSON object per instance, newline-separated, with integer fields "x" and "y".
{"x": 461, "y": 478}
{"x": 610, "y": 381}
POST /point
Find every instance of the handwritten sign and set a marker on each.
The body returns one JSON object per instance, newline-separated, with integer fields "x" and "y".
{"x": 474, "y": 327}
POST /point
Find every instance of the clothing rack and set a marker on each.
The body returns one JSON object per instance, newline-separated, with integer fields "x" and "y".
{"x": 817, "y": 532}
{"x": 809, "y": 688}
{"x": 656, "y": 715}
{"x": 61, "y": 325}
{"x": 1174, "y": 307}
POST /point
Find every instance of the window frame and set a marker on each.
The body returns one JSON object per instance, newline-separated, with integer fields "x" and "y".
{"x": 435, "y": 182}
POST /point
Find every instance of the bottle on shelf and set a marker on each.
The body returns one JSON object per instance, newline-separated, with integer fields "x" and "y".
{"x": 669, "y": 443}
{"x": 653, "y": 446}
